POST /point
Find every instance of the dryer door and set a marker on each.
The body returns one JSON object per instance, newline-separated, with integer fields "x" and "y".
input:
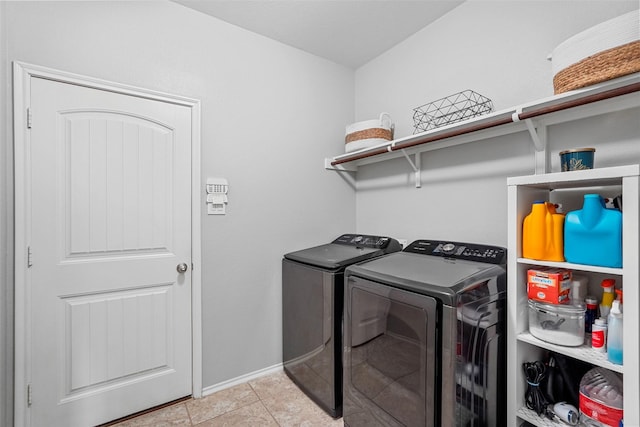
{"x": 389, "y": 356}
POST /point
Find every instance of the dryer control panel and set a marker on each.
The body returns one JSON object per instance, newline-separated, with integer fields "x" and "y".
{"x": 364, "y": 241}
{"x": 459, "y": 250}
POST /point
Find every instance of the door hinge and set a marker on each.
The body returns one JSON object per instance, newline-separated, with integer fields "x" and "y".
{"x": 28, "y": 394}
{"x": 29, "y": 257}
{"x": 29, "y": 118}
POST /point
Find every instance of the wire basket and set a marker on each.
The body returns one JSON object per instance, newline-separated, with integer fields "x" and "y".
{"x": 451, "y": 109}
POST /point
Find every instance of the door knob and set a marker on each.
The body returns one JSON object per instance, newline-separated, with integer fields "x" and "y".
{"x": 182, "y": 267}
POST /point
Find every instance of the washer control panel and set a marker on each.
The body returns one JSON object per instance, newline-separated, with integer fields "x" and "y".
{"x": 363, "y": 241}
{"x": 458, "y": 250}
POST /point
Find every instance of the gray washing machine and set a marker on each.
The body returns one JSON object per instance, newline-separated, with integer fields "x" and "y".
{"x": 425, "y": 337}
{"x": 312, "y": 306}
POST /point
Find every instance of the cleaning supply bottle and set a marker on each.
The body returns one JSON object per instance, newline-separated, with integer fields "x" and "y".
{"x": 591, "y": 314}
{"x": 542, "y": 233}
{"x": 593, "y": 234}
{"x": 599, "y": 335}
{"x": 608, "y": 287}
{"x": 579, "y": 286}
{"x": 614, "y": 337}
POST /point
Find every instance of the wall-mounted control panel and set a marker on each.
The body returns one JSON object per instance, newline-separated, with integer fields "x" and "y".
{"x": 217, "y": 189}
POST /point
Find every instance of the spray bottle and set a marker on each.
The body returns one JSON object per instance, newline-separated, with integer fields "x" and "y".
{"x": 614, "y": 338}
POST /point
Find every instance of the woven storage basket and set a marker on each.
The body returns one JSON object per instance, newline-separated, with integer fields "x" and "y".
{"x": 607, "y": 65}
{"x": 368, "y": 133}
{"x": 382, "y": 133}
{"x": 603, "y": 52}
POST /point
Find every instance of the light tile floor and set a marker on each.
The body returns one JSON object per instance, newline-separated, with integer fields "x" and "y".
{"x": 272, "y": 400}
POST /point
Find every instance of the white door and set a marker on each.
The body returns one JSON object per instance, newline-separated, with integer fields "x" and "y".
{"x": 109, "y": 326}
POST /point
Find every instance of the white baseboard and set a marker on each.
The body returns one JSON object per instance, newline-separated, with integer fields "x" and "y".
{"x": 241, "y": 379}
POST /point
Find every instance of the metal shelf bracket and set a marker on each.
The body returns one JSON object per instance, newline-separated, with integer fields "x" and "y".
{"x": 349, "y": 176}
{"x": 538, "y": 135}
{"x": 415, "y": 166}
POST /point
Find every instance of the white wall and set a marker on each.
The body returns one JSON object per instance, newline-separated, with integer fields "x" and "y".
{"x": 6, "y": 208}
{"x": 498, "y": 49}
{"x": 270, "y": 115}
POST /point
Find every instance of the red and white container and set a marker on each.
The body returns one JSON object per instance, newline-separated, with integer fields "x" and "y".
{"x": 601, "y": 398}
{"x": 599, "y": 335}
{"x": 548, "y": 284}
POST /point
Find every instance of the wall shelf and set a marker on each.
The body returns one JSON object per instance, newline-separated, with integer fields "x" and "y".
{"x": 614, "y": 95}
{"x": 521, "y": 345}
{"x": 570, "y": 266}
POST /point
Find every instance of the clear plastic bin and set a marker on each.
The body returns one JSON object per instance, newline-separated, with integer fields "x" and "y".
{"x": 560, "y": 324}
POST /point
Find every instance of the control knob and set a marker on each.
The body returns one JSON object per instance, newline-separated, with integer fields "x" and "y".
{"x": 448, "y": 248}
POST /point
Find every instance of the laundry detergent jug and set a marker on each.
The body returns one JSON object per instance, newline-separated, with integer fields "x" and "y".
{"x": 593, "y": 234}
{"x": 542, "y": 233}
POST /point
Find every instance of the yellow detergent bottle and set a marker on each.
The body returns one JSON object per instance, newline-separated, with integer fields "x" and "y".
{"x": 542, "y": 233}
{"x": 608, "y": 288}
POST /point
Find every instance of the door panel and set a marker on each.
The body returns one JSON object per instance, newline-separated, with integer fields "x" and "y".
{"x": 116, "y": 183}
{"x": 389, "y": 356}
{"x": 110, "y": 195}
{"x": 115, "y": 337}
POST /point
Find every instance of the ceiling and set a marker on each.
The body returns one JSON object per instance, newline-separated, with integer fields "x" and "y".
{"x": 348, "y": 32}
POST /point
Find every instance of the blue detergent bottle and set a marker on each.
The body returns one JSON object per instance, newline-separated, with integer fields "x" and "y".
{"x": 593, "y": 234}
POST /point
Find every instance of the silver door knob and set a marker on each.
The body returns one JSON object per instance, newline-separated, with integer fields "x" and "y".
{"x": 182, "y": 267}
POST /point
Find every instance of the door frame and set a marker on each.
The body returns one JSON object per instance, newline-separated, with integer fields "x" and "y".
{"x": 22, "y": 73}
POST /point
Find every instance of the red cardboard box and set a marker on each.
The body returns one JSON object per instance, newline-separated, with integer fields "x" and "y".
{"x": 549, "y": 284}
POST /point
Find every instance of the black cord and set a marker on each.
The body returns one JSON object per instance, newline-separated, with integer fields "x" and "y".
{"x": 535, "y": 374}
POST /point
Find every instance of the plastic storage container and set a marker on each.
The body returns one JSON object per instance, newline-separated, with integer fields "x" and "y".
{"x": 542, "y": 233}
{"x": 601, "y": 402}
{"x": 577, "y": 159}
{"x": 559, "y": 324}
{"x": 593, "y": 234}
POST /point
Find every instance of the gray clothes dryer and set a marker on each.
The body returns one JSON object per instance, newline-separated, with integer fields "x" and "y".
{"x": 312, "y": 305}
{"x": 424, "y": 337}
